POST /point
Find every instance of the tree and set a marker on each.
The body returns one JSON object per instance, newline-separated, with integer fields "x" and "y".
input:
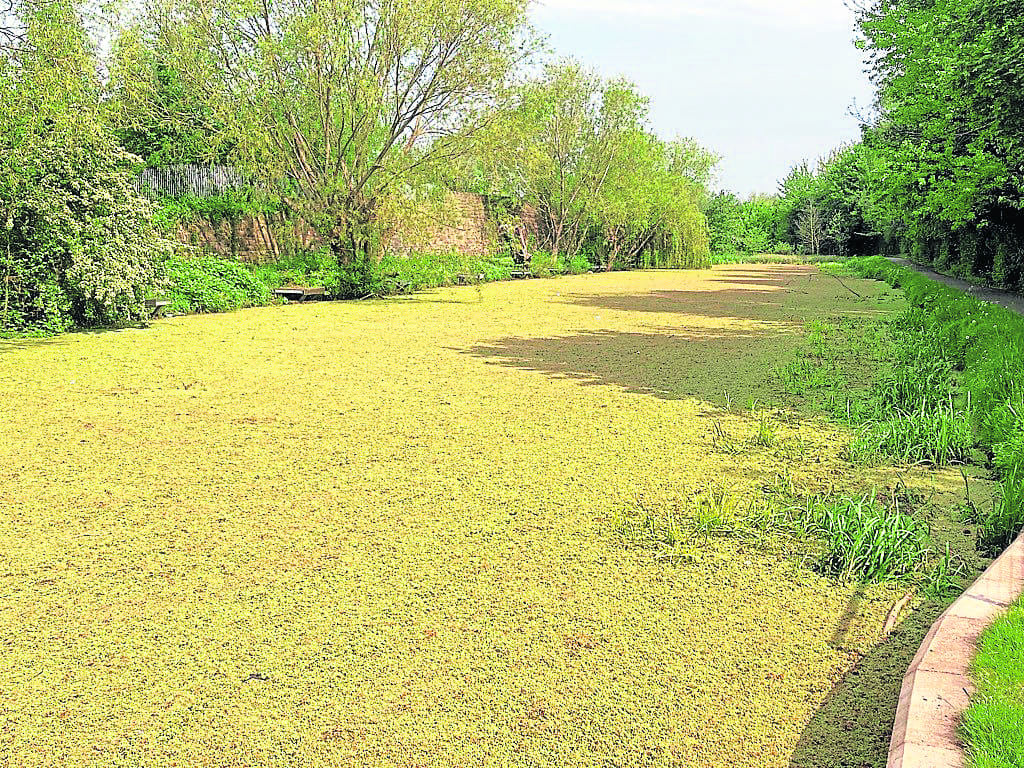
{"x": 575, "y": 147}
{"x": 346, "y": 100}
{"x": 556, "y": 144}
{"x": 649, "y": 206}
{"x": 77, "y": 246}
{"x": 948, "y": 144}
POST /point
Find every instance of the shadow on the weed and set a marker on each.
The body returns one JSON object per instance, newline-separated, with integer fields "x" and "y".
{"x": 18, "y": 343}
{"x": 853, "y": 726}
{"x": 712, "y": 365}
{"x": 731, "y": 303}
{"x": 13, "y": 345}
{"x": 846, "y": 620}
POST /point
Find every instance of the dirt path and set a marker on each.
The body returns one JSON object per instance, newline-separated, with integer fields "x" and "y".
{"x": 1008, "y": 299}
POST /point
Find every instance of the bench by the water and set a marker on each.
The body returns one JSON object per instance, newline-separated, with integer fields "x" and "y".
{"x": 299, "y": 292}
{"x": 157, "y": 306}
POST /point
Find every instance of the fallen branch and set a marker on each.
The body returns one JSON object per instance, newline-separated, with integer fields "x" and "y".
{"x": 894, "y": 613}
{"x": 848, "y": 287}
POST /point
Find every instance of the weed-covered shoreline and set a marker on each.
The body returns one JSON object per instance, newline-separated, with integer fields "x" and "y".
{"x": 979, "y": 349}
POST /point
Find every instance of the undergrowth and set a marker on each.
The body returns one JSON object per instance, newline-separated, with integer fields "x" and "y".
{"x": 969, "y": 354}
{"x": 206, "y": 283}
{"x": 951, "y": 381}
{"x": 856, "y": 537}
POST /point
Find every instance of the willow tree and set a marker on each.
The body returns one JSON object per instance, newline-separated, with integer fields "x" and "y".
{"x": 650, "y": 212}
{"x": 344, "y": 99}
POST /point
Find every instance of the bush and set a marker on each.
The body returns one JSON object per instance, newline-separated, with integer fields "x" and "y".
{"x": 231, "y": 204}
{"x": 205, "y": 283}
{"x": 312, "y": 268}
{"x": 77, "y": 246}
{"x": 394, "y": 274}
{"x": 542, "y": 264}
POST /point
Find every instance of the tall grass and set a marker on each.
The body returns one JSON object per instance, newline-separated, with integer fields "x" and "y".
{"x": 939, "y": 435}
{"x": 865, "y": 541}
{"x": 982, "y": 346}
{"x": 851, "y": 538}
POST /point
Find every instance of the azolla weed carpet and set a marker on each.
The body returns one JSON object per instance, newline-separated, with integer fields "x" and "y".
{"x": 382, "y": 533}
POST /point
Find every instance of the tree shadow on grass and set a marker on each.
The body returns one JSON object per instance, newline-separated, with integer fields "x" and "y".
{"x": 786, "y": 296}
{"x": 796, "y": 304}
{"x": 18, "y": 343}
{"x": 853, "y": 726}
{"x": 715, "y": 365}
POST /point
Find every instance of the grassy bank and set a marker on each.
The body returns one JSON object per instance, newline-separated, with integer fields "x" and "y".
{"x": 993, "y": 727}
{"x": 971, "y": 356}
{"x": 979, "y": 348}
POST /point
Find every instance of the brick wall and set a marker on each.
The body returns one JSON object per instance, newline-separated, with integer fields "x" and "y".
{"x": 463, "y": 226}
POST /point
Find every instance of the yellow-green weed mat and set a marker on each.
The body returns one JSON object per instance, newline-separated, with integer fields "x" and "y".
{"x": 381, "y": 533}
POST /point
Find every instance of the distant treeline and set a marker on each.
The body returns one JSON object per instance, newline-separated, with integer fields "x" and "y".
{"x": 939, "y": 172}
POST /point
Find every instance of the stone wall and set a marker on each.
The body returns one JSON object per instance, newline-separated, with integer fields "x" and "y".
{"x": 255, "y": 239}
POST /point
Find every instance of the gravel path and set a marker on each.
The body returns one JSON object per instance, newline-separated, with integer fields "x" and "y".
{"x": 1008, "y": 299}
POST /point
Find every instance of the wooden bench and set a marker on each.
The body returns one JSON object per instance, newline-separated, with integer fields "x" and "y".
{"x": 298, "y": 292}
{"x": 157, "y": 306}
{"x": 519, "y": 274}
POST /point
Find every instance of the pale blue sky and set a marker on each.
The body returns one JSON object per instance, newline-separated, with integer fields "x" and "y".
{"x": 764, "y": 83}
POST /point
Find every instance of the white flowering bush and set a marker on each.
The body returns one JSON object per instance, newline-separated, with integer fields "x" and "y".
{"x": 77, "y": 244}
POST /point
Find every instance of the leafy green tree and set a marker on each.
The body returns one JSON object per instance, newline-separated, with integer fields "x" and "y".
{"x": 347, "y": 100}
{"x": 723, "y": 213}
{"x": 77, "y": 246}
{"x": 949, "y": 139}
{"x": 575, "y": 147}
{"x": 648, "y": 212}
{"x": 157, "y": 115}
{"x": 759, "y": 217}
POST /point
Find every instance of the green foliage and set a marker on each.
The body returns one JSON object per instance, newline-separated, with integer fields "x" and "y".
{"x": 993, "y": 726}
{"x": 396, "y": 274}
{"x": 865, "y": 541}
{"x": 206, "y": 283}
{"x": 373, "y": 98}
{"x": 576, "y": 148}
{"x": 314, "y": 267}
{"x": 985, "y": 345}
{"x": 542, "y": 263}
{"x": 77, "y": 246}
{"x": 929, "y": 435}
{"x": 160, "y": 116}
{"x": 948, "y": 144}
{"x": 233, "y": 204}
{"x": 1000, "y": 525}
{"x": 854, "y": 537}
